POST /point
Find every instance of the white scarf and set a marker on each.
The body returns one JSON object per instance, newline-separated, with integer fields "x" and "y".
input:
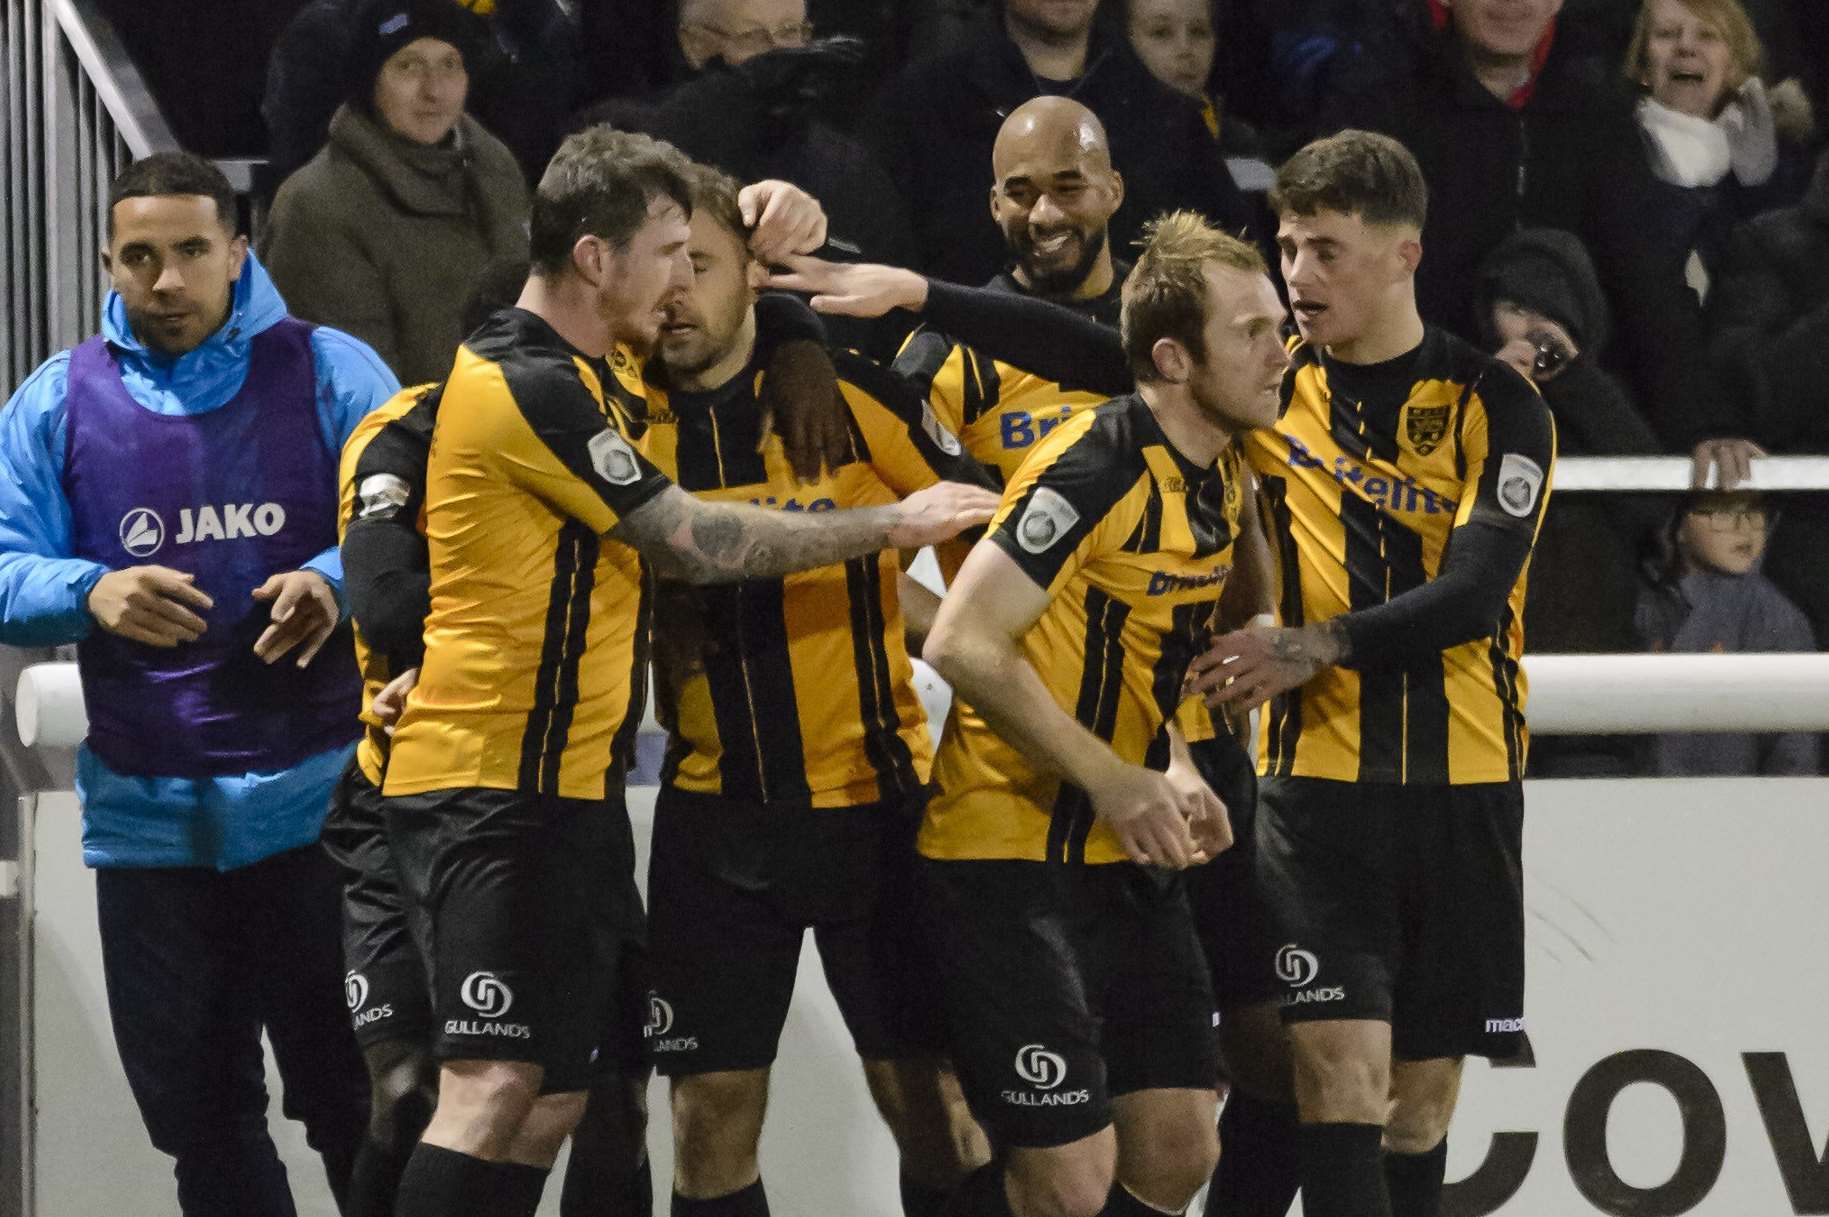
{"x": 1685, "y": 150}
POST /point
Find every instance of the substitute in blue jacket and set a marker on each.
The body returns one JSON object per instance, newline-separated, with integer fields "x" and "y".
{"x": 169, "y": 504}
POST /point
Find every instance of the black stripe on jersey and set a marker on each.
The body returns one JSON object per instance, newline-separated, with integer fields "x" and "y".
{"x": 736, "y": 427}
{"x": 1146, "y": 537}
{"x": 622, "y": 746}
{"x": 1101, "y": 685}
{"x": 568, "y": 615}
{"x": 751, "y": 681}
{"x": 1460, "y": 428}
{"x": 1207, "y": 510}
{"x": 1285, "y": 709}
{"x": 884, "y": 747}
{"x": 1425, "y": 693}
{"x": 1180, "y": 643}
{"x": 896, "y": 396}
{"x": 1301, "y": 356}
{"x": 982, "y": 386}
{"x": 1381, "y": 686}
{"x": 696, "y": 452}
{"x": 1505, "y": 684}
{"x": 921, "y": 360}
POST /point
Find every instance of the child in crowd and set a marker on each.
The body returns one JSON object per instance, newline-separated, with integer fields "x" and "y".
{"x": 1712, "y": 598}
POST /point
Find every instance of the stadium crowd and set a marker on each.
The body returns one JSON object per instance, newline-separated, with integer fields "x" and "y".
{"x": 1624, "y": 205}
{"x": 699, "y": 345}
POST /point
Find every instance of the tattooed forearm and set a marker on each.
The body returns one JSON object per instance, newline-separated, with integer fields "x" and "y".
{"x": 699, "y": 542}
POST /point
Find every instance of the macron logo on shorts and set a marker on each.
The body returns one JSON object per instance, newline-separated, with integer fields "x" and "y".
{"x": 1044, "y": 1071}
{"x": 491, "y": 998}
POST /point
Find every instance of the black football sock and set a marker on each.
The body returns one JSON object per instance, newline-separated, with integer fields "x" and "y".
{"x": 441, "y": 1182}
{"x": 1257, "y": 1159}
{"x": 521, "y": 1188}
{"x": 1342, "y": 1170}
{"x": 1124, "y": 1203}
{"x": 920, "y": 1200}
{"x": 751, "y": 1201}
{"x": 981, "y": 1195}
{"x": 375, "y": 1179}
{"x": 1415, "y": 1181}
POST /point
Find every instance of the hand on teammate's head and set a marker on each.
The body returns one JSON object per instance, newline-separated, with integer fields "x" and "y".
{"x": 783, "y": 219}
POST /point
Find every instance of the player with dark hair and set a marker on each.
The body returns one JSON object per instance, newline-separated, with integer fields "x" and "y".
{"x": 504, "y": 785}
{"x": 169, "y": 506}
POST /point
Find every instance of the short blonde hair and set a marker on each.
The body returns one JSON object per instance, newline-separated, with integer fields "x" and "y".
{"x": 1166, "y": 293}
{"x": 1725, "y": 15}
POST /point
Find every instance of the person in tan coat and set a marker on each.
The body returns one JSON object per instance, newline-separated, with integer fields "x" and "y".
{"x": 385, "y": 231}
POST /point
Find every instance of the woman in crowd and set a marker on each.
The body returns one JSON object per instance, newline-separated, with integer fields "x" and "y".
{"x": 1724, "y": 146}
{"x": 385, "y": 231}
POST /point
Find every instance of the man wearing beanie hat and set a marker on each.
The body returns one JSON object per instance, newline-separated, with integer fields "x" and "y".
{"x": 385, "y": 231}
{"x": 1541, "y": 310}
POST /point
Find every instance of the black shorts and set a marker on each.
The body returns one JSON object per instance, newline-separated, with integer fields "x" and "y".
{"x": 1065, "y": 986}
{"x": 1403, "y": 904}
{"x": 531, "y": 905}
{"x": 1228, "y": 914}
{"x": 733, "y": 887}
{"x": 385, "y": 980}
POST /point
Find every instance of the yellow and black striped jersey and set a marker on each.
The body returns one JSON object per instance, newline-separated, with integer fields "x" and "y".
{"x": 1134, "y": 543}
{"x": 535, "y": 644}
{"x": 998, "y": 411}
{"x": 1368, "y": 475}
{"x": 370, "y": 485}
{"x": 796, "y": 690}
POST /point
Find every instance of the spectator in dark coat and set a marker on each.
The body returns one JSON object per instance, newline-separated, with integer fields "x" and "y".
{"x": 385, "y": 233}
{"x": 1769, "y": 326}
{"x": 935, "y": 124}
{"x": 1543, "y": 312}
{"x": 524, "y": 78}
{"x": 750, "y": 108}
{"x": 1512, "y": 130}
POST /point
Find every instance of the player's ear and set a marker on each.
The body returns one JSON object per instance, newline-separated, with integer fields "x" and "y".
{"x": 1410, "y": 253}
{"x": 1171, "y": 360}
{"x": 587, "y": 258}
{"x": 1115, "y": 184}
{"x": 755, "y": 272}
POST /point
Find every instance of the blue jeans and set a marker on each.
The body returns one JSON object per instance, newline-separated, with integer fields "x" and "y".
{"x": 198, "y": 963}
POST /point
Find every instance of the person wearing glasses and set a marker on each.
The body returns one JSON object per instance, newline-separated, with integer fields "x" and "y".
{"x": 1710, "y": 597}
{"x": 737, "y": 31}
{"x": 384, "y": 233}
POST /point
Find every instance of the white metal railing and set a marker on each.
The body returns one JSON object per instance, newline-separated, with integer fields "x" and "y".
{"x": 1663, "y": 474}
{"x": 76, "y": 112}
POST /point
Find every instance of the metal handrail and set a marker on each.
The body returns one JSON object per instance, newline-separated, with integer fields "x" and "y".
{"x": 117, "y": 82}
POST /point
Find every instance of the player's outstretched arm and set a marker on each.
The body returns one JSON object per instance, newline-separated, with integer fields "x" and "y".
{"x": 1036, "y": 335}
{"x": 699, "y": 542}
{"x": 976, "y": 644}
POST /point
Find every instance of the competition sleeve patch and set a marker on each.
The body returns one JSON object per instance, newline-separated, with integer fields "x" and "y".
{"x": 600, "y": 477}
{"x": 1513, "y": 479}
